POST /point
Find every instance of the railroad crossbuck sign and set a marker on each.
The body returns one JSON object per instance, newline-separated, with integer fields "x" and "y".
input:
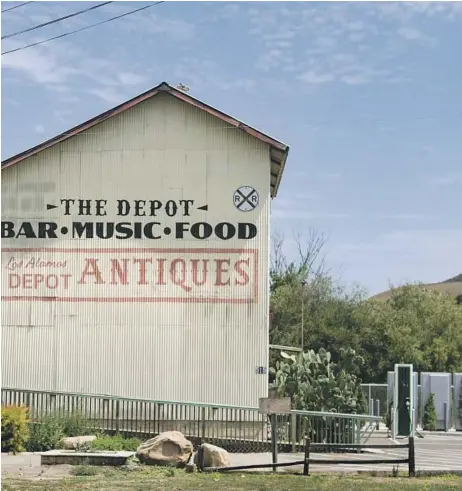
{"x": 246, "y": 198}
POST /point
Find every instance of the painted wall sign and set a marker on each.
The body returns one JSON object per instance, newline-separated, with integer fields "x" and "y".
{"x": 131, "y": 275}
{"x": 246, "y": 198}
{"x": 157, "y": 228}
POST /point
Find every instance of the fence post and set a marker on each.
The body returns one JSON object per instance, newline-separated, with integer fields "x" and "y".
{"x": 293, "y": 430}
{"x": 411, "y": 457}
{"x": 377, "y": 412}
{"x": 203, "y": 425}
{"x": 274, "y": 440}
{"x": 306, "y": 464}
{"x": 446, "y": 417}
{"x": 117, "y": 415}
{"x": 358, "y": 431}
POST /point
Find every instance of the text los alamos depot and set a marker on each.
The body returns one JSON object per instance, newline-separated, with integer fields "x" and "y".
{"x": 76, "y": 275}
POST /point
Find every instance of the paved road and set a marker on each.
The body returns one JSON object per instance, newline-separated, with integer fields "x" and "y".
{"x": 433, "y": 453}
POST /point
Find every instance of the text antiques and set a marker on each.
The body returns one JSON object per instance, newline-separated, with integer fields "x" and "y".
{"x": 150, "y": 274}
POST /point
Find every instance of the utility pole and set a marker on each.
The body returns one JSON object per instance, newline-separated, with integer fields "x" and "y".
{"x": 303, "y": 313}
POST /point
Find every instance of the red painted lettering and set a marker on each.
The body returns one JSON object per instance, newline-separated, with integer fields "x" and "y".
{"x": 178, "y": 275}
{"x": 244, "y": 280}
{"x": 220, "y": 271}
{"x": 121, "y": 271}
{"x": 91, "y": 269}
{"x": 195, "y": 271}
{"x": 142, "y": 270}
{"x": 161, "y": 271}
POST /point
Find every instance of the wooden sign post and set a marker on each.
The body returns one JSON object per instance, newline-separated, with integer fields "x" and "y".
{"x": 272, "y": 406}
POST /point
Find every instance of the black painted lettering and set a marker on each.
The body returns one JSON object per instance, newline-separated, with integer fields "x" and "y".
{"x": 84, "y": 206}
{"x": 47, "y": 230}
{"x": 246, "y": 231}
{"x": 100, "y": 204}
{"x": 138, "y": 230}
{"x": 78, "y": 229}
{"x": 26, "y": 230}
{"x": 148, "y": 232}
{"x": 171, "y": 208}
{"x": 225, "y": 231}
{"x": 155, "y": 205}
{"x": 201, "y": 230}
{"x": 8, "y": 230}
{"x": 123, "y": 207}
{"x": 139, "y": 208}
{"x": 123, "y": 231}
{"x": 186, "y": 203}
{"x": 104, "y": 230}
{"x": 67, "y": 205}
{"x": 180, "y": 229}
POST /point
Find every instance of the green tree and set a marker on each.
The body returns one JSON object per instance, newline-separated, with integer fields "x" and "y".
{"x": 311, "y": 310}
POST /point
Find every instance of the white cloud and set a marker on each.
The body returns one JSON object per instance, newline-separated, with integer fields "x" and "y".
{"x": 313, "y": 78}
{"x": 39, "y": 129}
{"x": 410, "y": 33}
{"x": 109, "y": 94}
{"x": 447, "y": 179}
{"x": 128, "y": 78}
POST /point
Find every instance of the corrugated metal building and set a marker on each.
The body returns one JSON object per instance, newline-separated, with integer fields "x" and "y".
{"x": 135, "y": 253}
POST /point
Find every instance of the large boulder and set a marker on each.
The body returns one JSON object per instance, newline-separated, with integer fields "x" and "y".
{"x": 169, "y": 448}
{"x": 76, "y": 442}
{"x": 213, "y": 456}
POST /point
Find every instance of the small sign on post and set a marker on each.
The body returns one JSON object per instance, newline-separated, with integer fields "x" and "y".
{"x": 273, "y": 406}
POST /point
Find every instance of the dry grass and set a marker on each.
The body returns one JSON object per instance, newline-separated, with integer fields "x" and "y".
{"x": 452, "y": 288}
{"x": 175, "y": 480}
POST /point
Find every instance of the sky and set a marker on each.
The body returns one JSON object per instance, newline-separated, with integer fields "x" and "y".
{"x": 367, "y": 95}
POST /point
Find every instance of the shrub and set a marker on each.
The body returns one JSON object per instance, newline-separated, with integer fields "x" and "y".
{"x": 84, "y": 470}
{"x": 76, "y": 424}
{"x": 45, "y": 435}
{"x": 49, "y": 430}
{"x": 15, "y": 429}
{"x": 429, "y": 416}
{"x": 115, "y": 443}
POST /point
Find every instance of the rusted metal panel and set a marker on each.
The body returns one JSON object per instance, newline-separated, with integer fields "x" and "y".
{"x": 162, "y": 291}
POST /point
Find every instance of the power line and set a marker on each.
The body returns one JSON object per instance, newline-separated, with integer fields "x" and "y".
{"x": 55, "y": 20}
{"x": 15, "y": 7}
{"x": 81, "y": 29}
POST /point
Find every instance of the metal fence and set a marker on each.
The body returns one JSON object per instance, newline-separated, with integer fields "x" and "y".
{"x": 376, "y": 398}
{"x": 237, "y": 429}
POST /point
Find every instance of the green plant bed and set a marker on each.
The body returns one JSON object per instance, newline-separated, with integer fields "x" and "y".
{"x": 47, "y": 431}
{"x": 115, "y": 443}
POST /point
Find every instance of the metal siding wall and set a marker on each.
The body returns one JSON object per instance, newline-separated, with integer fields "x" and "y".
{"x": 205, "y": 352}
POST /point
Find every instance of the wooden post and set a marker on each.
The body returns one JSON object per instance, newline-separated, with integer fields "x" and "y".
{"x": 306, "y": 465}
{"x": 411, "y": 457}
{"x": 274, "y": 440}
{"x": 200, "y": 459}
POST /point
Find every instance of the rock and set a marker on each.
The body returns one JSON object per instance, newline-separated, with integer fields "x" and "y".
{"x": 213, "y": 456}
{"x": 169, "y": 448}
{"x": 74, "y": 442}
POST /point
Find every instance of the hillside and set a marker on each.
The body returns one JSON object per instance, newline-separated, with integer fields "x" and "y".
{"x": 452, "y": 286}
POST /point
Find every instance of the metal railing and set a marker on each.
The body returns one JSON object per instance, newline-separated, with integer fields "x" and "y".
{"x": 237, "y": 429}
